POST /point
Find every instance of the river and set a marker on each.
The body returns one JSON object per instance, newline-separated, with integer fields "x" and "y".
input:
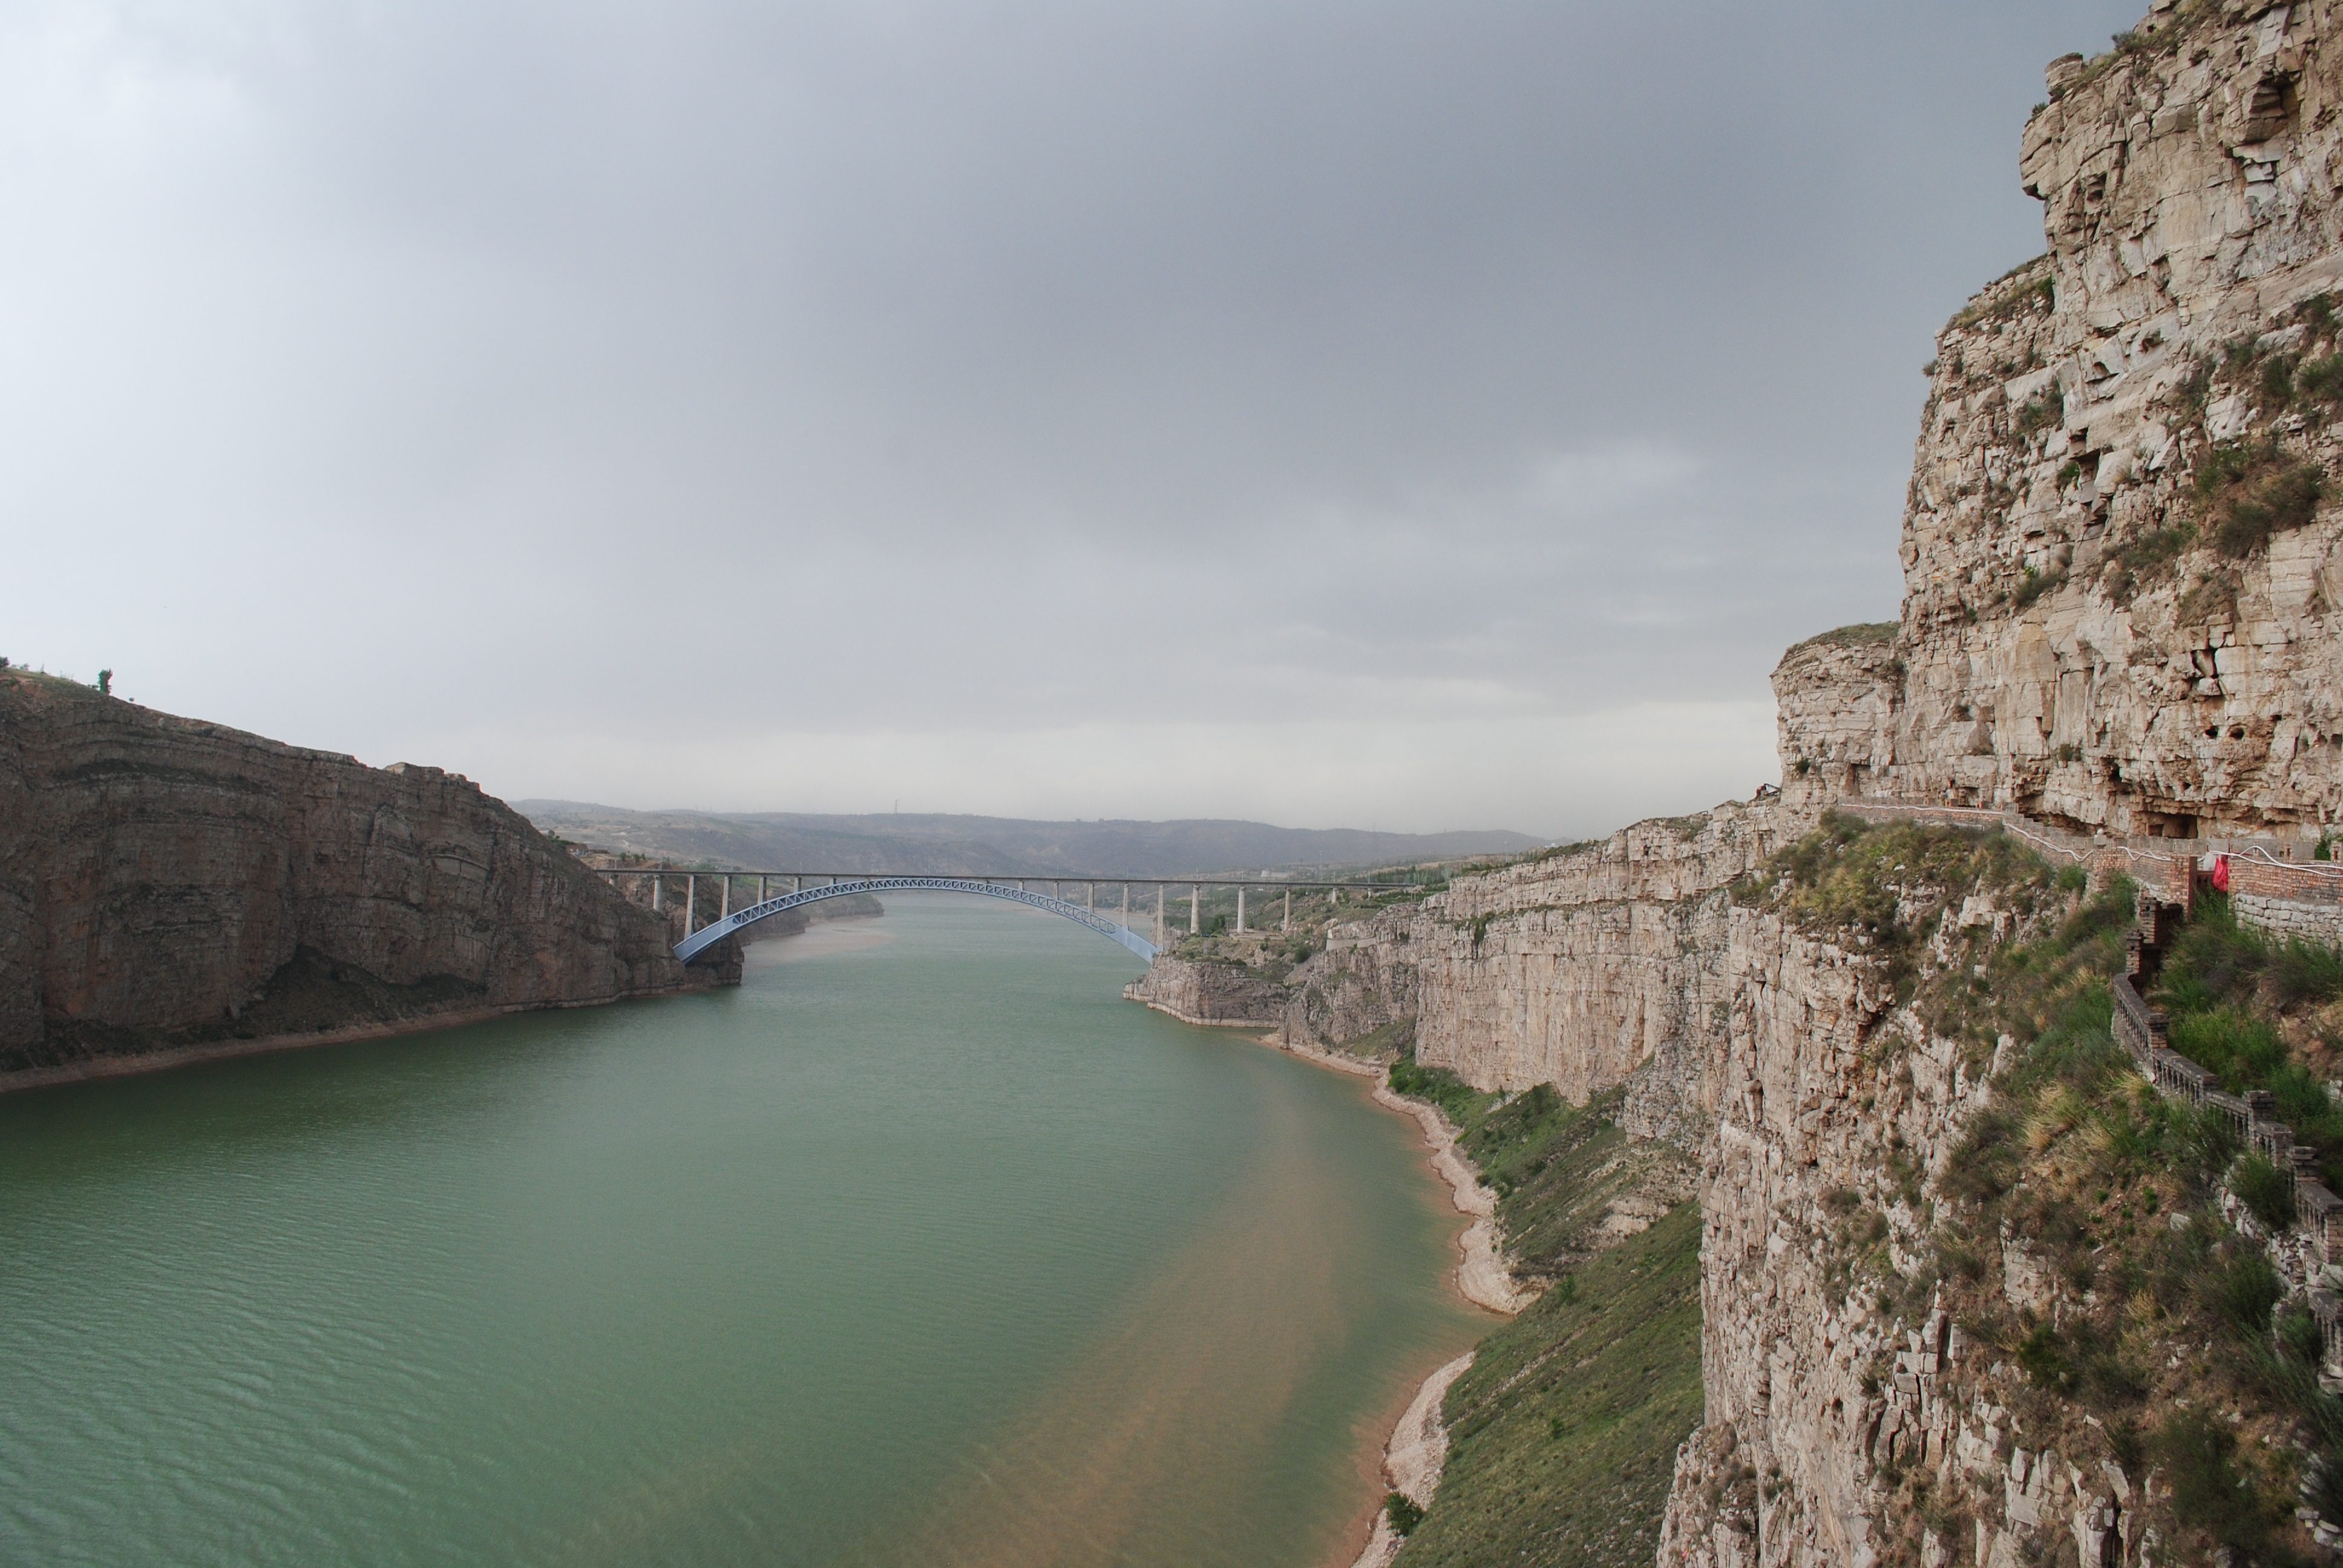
{"x": 922, "y": 1247}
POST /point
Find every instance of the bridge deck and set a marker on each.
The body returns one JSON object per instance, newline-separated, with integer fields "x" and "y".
{"x": 693, "y": 945}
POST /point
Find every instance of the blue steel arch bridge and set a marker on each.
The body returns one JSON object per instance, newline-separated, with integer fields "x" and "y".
{"x": 1113, "y": 923}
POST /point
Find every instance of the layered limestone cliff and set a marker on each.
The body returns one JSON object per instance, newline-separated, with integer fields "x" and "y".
{"x": 1580, "y": 968}
{"x": 2120, "y": 547}
{"x": 2123, "y": 574}
{"x": 168, "y": 886}
{"x": 1208, "y": 992}
{"x": 1823, "y": 1097}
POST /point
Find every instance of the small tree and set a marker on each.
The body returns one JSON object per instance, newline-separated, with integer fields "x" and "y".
{"x": 106, "y": 683}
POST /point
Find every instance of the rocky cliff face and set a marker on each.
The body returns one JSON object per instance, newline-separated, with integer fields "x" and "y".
{"x": 1580, "y": 968}
{"x": 1205, "y": 992}
{"x": 2120, "y": 546}
{"x": 168, "y": 884}
{"x": 1822, "y": 1093}
{"x": 2122, "y": 571}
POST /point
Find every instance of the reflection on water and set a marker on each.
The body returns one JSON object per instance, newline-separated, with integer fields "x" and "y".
{"x": 933, "y": 1251}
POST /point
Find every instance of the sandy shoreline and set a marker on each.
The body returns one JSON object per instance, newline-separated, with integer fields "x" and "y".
{"x": 1481, "y": 1276}
{"x": 1417, "y": 1447}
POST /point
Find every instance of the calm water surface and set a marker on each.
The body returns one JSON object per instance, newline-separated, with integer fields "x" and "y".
{"x": 931, "y": 1251}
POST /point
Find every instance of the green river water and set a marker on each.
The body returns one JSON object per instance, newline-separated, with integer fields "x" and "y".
{"x": 929, "y": 1249}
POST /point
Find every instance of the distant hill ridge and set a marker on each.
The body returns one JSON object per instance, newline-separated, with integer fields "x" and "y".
{"x": 937, "y": 844}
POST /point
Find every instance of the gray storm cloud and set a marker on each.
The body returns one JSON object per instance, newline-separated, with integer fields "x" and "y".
{"x": 1399, "y": 415}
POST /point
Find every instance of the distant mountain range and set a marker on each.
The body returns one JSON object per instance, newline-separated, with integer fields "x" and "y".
{"x": 939, "y": 844}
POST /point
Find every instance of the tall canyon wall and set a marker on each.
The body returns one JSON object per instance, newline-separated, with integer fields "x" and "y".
{"x": 171, "y": 886}
{"x": 2122, "y": 579}
{"x": 2121, "y": 582}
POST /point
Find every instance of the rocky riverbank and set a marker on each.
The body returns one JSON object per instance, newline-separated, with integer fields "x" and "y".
{"x": 172, "y": 889}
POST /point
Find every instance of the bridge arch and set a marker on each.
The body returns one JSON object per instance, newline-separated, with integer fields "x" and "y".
{"x": 707, "y": 936}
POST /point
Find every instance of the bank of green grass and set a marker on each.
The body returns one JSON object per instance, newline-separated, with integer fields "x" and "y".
{"x": 1563, "y": 1435}
{"x": 2171, "y": 1347}
{"x": 2259, "y": 1012}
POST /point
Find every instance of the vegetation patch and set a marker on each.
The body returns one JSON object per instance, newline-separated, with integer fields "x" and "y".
{"x": 1563, "y": 1435}
{"x": 2248, "y": 492}
{"x": 2027, "y": 286}
{"x": 2160, "y": 1310}
{"x": 2047, "y": 412}
{"x": 1886, "y": 889}
{"x": 2159, "y": 36}
{"x": 2147, "y": 1331}
{"x": 2034, "y": 582}
{"x": 1863, "y": 634}
{"x": 2148, "y": 557}
{"x": 2261, "y": 1014}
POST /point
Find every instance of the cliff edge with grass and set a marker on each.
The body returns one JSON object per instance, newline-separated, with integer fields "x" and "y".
{"x": 1990, "y": 1271}
{"x": 172, "y": 888}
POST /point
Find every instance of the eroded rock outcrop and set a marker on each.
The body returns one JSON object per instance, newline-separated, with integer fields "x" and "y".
{"x": 1589, "y": 967}
{"x": 1811, "y": 1108}
{"x": 1207, "y": 992}
{"x": 168, "y": 885}
{"x": 2120, "y": 549}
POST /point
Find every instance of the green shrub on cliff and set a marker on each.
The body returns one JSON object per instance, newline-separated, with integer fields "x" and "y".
{"x": 2162, "y": 1310}
{"x": 2248, "y": 492}
{"x": 1459, "y": 1100}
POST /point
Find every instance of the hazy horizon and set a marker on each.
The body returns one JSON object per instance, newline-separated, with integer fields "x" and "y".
{"x": 1389, "y": 415}
{"x": 523, "y": 802}
{"x": 965, "y": 844}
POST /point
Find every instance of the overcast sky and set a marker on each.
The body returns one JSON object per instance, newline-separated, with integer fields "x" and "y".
{"x": 1410, "y": 415}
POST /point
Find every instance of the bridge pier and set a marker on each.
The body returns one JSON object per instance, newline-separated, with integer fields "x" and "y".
{"x": 1159, "y": 914}
{"x": 1195, "y": 910}
{"x": 658, "y": 886}
{"x": 724, "y": 899}
{"x": 1240, "y": 909}
{"x": 1287, "y": 923}
{"x": 690, "y": 904}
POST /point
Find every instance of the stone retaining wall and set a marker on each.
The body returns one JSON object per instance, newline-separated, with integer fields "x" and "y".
{"x": 2318, "y": 922}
